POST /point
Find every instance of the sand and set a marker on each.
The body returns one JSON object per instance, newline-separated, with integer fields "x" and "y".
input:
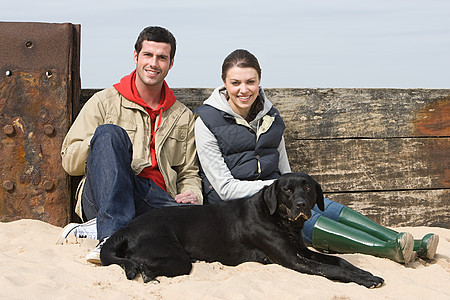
{"x": 33, "y": 266}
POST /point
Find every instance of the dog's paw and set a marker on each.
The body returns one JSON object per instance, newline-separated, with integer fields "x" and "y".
{"x": 150, "y": 279}
{"x": 131, "y": 274}
{"x": 374, "y": 282}
{"x": 147, "y": 274}
{"x": 130, "y": 269}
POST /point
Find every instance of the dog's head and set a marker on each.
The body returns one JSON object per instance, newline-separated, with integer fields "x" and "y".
{"x": 293, "y": 196}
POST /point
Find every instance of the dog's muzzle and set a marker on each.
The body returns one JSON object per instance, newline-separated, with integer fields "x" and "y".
{"x": 300, "y": 215}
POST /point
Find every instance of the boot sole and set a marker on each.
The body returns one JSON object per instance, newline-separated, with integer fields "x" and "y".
{"x": 432, "y": 246}
{"x": 95, "y": 260}
{"x": 406, "y": 242}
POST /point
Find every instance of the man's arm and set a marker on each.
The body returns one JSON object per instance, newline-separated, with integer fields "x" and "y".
{"x": 75, "y": 147}
{"x": 189, "y": 184}
{"x": 187, "y": 197}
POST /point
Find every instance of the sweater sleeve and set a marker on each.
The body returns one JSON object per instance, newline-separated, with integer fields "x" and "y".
{"x": 216, "y": 170}
{"x": 283, "y": 164}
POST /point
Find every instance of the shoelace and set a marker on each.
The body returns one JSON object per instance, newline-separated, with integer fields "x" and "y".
{"x": 86, "y": 230}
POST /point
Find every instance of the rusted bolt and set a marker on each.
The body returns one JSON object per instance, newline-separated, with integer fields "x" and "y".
{"x": 8, "y": 185}
{"x": 48, "y": 129}
{"x": 8, "y": 129}
{"x": 47, "y": 185}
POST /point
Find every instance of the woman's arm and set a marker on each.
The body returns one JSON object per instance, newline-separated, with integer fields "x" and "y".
{"x": 283, "y": 163}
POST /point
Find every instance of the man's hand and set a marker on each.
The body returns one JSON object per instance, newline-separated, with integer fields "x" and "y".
{"x": 187, "y": 197}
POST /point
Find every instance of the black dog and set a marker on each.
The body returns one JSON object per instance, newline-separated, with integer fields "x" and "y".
{"x": 264, "y": 228}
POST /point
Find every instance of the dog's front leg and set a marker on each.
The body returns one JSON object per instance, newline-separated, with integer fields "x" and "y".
{"x": 283, "y": 252}
{"x": 333, "y": 272}
{"x": 332, "y": 260}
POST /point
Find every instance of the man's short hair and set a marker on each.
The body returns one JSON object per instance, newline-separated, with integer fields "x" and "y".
{"x": 156, "y": 34}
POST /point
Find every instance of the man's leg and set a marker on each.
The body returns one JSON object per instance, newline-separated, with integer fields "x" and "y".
{"x": 108, "y": 191}
{"x": 148, "y": 196}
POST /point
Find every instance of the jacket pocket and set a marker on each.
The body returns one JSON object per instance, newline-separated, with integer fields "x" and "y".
{"x": 176, "y": 145}
{"x": 130, "y": 129}
{"x": 129, "y": 126}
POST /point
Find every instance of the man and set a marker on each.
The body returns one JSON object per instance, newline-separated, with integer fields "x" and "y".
{"x": 134, "y": 144}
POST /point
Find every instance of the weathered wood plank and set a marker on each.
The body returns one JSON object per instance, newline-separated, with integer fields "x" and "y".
{"x": 191, "y": 97}
{"x": 373, "y": 164}
{"x": 363, "y": 113}
{"x": 400, "y": 208}
{"x": 348, "y": 113}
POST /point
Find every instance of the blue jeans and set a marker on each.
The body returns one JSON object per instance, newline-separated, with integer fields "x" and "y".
{"x": 332, "y": 211}
{"x": 113, "y": 193}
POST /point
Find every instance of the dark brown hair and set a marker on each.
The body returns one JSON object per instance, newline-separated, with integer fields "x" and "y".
{"x": 156, "y": 34}
{"x": 240, "y": 58}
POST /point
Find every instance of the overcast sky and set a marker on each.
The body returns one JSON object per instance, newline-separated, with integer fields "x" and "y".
{"x": 320, "y": 43}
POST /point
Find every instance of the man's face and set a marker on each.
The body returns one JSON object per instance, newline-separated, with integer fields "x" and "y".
{"x": 152, "y": 63}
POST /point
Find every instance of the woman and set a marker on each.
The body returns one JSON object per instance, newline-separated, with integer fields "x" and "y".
{"x": 240, "y": 144}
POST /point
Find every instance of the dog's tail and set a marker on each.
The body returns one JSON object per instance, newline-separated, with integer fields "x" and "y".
{"x": 113, "y": 252}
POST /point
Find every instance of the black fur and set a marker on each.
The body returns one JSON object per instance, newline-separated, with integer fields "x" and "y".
{"x": 264, "y": 228}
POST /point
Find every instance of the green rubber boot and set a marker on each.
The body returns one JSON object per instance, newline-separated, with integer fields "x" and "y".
{"x": 333, "y": 236}
{"x": 425, "y": 248}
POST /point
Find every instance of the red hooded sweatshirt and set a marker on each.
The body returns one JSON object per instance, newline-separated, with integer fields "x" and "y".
{"x": 127, "y": 88}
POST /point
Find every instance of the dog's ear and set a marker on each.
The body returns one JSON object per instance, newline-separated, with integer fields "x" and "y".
{"x": 270, "y": 196}
{"x": 319, "y": 197}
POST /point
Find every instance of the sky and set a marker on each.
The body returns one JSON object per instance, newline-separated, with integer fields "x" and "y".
{"x": 299, "y": 43}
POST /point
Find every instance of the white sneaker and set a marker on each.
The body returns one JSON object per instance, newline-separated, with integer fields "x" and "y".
{"x": 87, "y": 230}
{"x": 94, "y": 255}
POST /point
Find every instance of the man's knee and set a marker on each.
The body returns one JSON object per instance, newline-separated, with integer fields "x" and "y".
{"x": 110, "y": 132}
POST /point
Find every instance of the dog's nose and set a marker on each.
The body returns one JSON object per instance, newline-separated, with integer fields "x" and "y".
{"x": 300, "y": 204}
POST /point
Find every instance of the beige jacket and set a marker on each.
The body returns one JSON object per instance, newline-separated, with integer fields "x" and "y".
{"x": 174, "y": 140}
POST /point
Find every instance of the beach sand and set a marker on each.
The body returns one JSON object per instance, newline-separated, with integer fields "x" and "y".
{"x": 33, "y": 266}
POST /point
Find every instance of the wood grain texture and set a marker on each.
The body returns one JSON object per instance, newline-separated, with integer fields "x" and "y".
{"x": 373, "y": 164}
{"x": 400, "y": 208}
{"x": 363, "y": 113}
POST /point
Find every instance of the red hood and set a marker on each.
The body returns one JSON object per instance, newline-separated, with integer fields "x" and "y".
{"x": 127, "y": 88}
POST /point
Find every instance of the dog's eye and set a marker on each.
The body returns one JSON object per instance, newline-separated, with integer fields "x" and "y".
{"x": 287, "y": 190}
{"x": 307, "y": 187}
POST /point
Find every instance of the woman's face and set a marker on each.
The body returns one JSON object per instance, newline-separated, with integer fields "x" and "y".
{"x": 242, "y": 85}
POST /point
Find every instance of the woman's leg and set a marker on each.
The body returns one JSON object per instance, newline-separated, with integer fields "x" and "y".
{"x": 425, "y": 248}
{"x": 333, "y": 236}
{"x": 325, "y": 231}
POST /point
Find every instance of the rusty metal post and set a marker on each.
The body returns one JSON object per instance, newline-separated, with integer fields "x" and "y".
{"x": 39, "y": 89}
